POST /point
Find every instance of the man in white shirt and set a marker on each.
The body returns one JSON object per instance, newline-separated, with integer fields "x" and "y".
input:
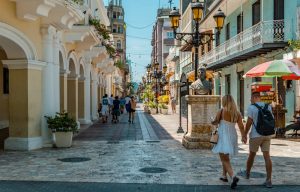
{"x": 256, "y": 140}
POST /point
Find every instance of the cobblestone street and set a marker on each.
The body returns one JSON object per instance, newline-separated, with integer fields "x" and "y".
{"x": 116, "y": 153}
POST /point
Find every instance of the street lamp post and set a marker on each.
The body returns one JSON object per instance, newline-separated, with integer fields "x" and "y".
{"x": 197, "y": 37}
{"x": 157, "y": 75}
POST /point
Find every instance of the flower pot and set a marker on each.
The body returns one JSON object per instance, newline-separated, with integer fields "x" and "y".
{"x": 153, "y": 110}
{"x": 146, "y": 109}
{"x": 63, "y": 139}
{"x": 164, "y": 111}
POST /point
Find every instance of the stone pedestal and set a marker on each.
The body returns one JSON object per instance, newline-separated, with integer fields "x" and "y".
{"x": 200, "y": 109}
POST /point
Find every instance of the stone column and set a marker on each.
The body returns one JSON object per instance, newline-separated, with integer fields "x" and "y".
{"x": 87, "y": 101}
{"x": 73, "y": 96}
{"x": 81, "y": 100}
{"x": 25, "y": 104}
{"x": 49, "y": 89}
{"x": 94, "y": 98}
{"x": 200, "y": 109}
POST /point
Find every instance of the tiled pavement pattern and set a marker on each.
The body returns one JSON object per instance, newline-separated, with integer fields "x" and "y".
{"x": 115, "y": 164}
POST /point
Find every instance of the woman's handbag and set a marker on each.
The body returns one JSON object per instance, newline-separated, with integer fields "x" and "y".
{"x": 215, "y": 135}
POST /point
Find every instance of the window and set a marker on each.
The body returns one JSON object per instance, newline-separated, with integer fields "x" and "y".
{"x": 5, "y": 81}
{"x": 170, "y": 35}
{"x": 114, "y": 15}
{"x": 115, "y": 29}
{"x": 228, "y": 31}
{"x": 256, "y": 12}
{"x": 227, "y": 85}
{"x": 278, "y": 9}
{"x": 239, "y": 26}
{"x": 119, "y": 45}
{"x": 120, "y": 29}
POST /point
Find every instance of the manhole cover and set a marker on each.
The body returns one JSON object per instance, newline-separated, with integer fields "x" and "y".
{"x": 278, "y": 144}
{"x": 152, "y": 141}
{"x": 253, "y": 174}
{"x": 153, "y": 170}
{"x": 74, "y": 159}
{"x": 112, "y": 142}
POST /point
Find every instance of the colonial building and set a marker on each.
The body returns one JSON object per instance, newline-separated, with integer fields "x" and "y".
{"x": 255, "y": 31}
{"x": 116, "y": 16}
{"x": 162, "y": 37}
{"x": 53, "y": 57}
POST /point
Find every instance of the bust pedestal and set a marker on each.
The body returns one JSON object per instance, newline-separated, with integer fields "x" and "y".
{"x": 200, "y": 109}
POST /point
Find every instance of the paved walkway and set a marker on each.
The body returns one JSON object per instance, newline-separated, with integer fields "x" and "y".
{"x": 117, "y": 152}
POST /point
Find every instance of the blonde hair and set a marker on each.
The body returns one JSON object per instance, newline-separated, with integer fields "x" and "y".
{"x": 229, "y": 105}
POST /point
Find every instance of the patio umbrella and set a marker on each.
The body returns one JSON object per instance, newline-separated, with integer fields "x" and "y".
{"x": 276, "y": 68}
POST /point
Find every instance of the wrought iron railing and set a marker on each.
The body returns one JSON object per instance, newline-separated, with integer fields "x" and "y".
{"x": 264, "y": 32}
{"x": 188, "y": 68}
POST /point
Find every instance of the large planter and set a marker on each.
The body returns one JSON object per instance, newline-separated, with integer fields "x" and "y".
{"x": 164, "y": 111}
{"x": 153, "y": 110}
{"x": 146, "y": 109}
{"x": 63, "y": 139}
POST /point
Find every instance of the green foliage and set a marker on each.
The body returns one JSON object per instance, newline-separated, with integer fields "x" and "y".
{"x": 120, "y": 64}
{"x": 110, "y": 50}
{"x": 294, "y": 44}
{"x": 79, "y": 2}
{"x": 164, "y": 106}
{"x": 101, "y": 29}
{"x": 62, "y": 122}
{"x": 152, "y": 104}
{"x": 148, "y": 93}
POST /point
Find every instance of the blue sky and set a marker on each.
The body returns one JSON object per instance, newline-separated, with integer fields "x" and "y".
{"x": 140, "y": 16}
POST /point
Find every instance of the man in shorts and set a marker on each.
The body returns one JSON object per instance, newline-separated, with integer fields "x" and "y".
{"x": 256, "y": 140}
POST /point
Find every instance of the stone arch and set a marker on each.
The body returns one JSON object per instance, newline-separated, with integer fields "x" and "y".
{"x": 62, "y": 58}
{"x": 16, "y": 44}
{"x": 82, "y": 69}
{"x": 72, "y": 64}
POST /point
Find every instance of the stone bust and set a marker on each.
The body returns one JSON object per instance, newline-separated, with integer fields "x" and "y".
{"x": 202, "y": 86}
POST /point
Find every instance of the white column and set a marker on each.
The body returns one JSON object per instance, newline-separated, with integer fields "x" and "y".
{"x": 56, "y": 74}
{"x": 87, "y": 98}
{"x": 48, "y": 95}
{"x": 94, "y": 99}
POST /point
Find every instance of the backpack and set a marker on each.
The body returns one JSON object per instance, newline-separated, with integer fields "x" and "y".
{"x": 104, "y": 101}
{"x": 265, "y": 121}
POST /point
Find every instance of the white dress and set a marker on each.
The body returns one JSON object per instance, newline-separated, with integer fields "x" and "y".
{"x": 227, "y": 142}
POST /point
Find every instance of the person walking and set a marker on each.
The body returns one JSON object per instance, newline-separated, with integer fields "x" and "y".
{"x": 227, "y": 117}
{"x": 105, "y": 108}
{"x": 257, "y": 140}
{"x": 111, "y": 100}
{"x": 173, "y": 104}
{"x": 122, "y": 104}
{"x": 132, "y": 109}
{"x": 116, "y": 110}
{"x": 127, "y": 105}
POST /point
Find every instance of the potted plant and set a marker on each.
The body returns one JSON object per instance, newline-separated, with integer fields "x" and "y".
{"x": 164, "y": 109}
{"x": 160, "y": 107}
{"x": 62, "y": 126}
{"x": 152, "y": 106}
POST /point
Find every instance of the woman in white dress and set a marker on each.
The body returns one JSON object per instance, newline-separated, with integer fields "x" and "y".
{"x": 227, "y": 117}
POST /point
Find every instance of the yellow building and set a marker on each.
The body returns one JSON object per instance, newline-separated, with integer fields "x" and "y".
{"x": 51, "y": 59}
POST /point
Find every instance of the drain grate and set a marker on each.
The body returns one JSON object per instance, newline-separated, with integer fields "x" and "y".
{"x": 74, "y": 159}
{"x": 153, "y": 170}
{"x": 253, "y": 174}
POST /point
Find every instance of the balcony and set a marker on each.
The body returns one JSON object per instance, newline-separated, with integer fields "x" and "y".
{"x": 61, "y": 13}
{"x": 258, "y": 39}
{"x": 188, "y": 68}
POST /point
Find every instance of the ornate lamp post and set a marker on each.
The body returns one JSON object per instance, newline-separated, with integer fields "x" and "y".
{"x": 155, "y": 74}
{"x": 197, "y": 37}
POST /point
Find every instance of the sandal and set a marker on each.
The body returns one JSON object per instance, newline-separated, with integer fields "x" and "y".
{"x": 224, "y": 179}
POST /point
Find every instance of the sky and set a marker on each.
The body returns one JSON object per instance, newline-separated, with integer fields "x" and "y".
{"x": 140, "y": 16}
